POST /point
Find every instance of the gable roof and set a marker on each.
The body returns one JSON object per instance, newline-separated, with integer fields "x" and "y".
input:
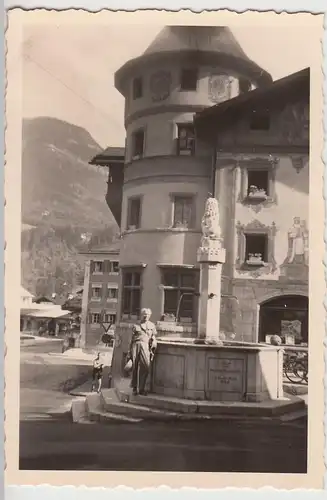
{"x": 289, "y": 89}
{"x": 108, "y": 155}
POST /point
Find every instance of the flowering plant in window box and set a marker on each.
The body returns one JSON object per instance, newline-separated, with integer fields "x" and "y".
{"x": 256, "y": 193}
{"x": 255, "y": 259}
{"x": 131, "y": 228}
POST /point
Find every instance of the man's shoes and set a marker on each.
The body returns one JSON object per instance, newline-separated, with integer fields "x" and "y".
{"x": 143, "y": 393}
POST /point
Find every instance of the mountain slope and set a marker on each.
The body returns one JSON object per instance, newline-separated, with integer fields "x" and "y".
{"x": 58, "y": 184}
{"x": 63, "y": 205}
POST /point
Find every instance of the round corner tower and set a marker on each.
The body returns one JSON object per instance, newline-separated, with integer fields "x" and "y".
{"x": 168, "y": 174}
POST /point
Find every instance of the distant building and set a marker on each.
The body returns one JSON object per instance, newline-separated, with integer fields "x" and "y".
{"x": 100, "y": 293}
{"x": 36, "y": 314}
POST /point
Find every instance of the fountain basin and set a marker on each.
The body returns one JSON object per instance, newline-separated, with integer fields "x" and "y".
{"x": 233, "y": 371}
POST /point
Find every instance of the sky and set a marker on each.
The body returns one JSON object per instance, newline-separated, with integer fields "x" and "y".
{"x": 68, "y": 70}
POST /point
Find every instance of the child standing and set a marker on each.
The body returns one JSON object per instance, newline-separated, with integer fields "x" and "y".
{"x": 97, "y": 373}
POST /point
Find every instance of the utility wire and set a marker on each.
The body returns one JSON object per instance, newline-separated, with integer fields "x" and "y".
{"x": 103, "y": 113}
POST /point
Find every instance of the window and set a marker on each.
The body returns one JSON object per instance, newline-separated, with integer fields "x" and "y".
{"x": 138, "y": 144}
{"x": 112, "y": 293}
{"x": 131, "y": 297}
{"x": 256, "y": 249}
{"x": 258, "y": 184}
{"x": 134, "y": 213}
{"x": 114, "y": 267}
{"x": 186, "y": 139}
{"x": 109, "y": 318}
{"x": 189, "y": 79}
{"x": 95, "y": 318}
{"x": 98, "y": 266}
{"x": 179, "y": 294}
{"x": 137, "y": 88}
{"x": 244, "y": 86}
{"x": 96, "y": 292}
{"x": 260, "y": 120}
{"x": 183, "y": 211}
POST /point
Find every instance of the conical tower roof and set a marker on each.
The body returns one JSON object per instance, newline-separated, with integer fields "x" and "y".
{"x": 211, "y": 44}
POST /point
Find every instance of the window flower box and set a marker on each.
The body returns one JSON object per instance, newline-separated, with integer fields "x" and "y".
{"x": 255, "y": 260}
{"x": 256, "y": 194}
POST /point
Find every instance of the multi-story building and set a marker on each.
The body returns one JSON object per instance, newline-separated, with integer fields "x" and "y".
{"x": 260, "y": 145}
{"x": 202, "y": 119}
{"x": 100, "y": 293}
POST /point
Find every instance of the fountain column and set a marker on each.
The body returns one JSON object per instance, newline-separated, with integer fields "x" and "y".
{"x": 211, "y": 257}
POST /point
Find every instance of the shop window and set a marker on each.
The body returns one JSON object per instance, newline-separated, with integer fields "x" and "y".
{"x": 138, "y": 144}
{"x": 131, "y": 294}
{"x": 179, "y": 288}
{"x": 134, "y": 213}
{"x": 189, "y": 79}
{"x": 183, "y": 211}
{"x": 186, "y": 139}
{"x": 260, "y": 120}
{"x": 137, "y": 88}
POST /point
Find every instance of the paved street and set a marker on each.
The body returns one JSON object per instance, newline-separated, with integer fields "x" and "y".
{"x": 192, "y": 446}
{"x": 221, "y": 446}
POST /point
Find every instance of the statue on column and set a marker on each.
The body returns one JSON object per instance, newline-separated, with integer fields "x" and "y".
{"x": 210, "y": 223}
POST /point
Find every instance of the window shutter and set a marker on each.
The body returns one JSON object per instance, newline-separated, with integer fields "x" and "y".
{"x": 106, "y": 266}
{"x": 92, "y": 266}
{"x": 89, "y": 318}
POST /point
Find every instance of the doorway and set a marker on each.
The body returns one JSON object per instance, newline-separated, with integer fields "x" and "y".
{"x": 286, "y": 316}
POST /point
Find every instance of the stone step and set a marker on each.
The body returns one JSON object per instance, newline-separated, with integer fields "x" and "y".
{"x": 188, "y": 408}
{"x": 104, "y": 417}
{"x": 135, "y": 411}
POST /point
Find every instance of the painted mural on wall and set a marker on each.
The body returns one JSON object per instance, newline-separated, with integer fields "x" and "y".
{"x": 295, "y": 265}
{"x": 219, "y": 88}
{"x": 294, "y": 123}
{"x": 160, "y": 85}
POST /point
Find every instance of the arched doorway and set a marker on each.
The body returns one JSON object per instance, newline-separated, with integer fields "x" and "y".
{"x": 286, "y": 316}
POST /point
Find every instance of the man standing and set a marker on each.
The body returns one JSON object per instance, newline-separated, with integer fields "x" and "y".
{"x": 143, "y": 345}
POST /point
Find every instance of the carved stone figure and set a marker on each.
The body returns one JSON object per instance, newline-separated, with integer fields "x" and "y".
{"x": 210, "y": 221}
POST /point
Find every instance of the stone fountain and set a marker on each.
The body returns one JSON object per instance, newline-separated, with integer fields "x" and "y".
{"x": 209, "y": 368}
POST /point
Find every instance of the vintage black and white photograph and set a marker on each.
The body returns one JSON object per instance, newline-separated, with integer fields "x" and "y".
{"x": 168, "y": 313}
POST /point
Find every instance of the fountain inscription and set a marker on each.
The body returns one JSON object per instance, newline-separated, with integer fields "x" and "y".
{"x": 226, "y": 375}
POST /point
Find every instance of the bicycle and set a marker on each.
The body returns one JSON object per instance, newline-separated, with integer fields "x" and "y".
{"x": 296, "y": 367}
